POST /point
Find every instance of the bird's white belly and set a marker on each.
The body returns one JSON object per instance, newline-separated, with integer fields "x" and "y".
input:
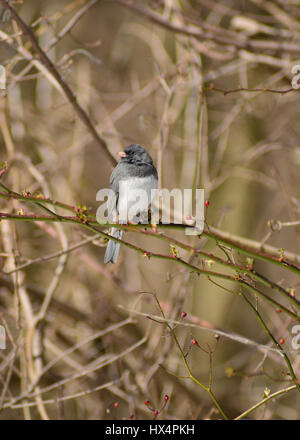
{"x": 135, "y": 195}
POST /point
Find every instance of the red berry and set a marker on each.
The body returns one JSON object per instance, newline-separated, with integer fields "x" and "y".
{"x": 207, "y": 203}
{"x": 166, "y": 398}
{"x": 281, "y": 341}
{"x": 278, "y": 310}
{"x": 147, "y": 403}
{"x": 194, "y": 342}
{"x": 183, "y": 314}
{"x": 116, "y": 405}
{"x": 155, "y": 413}
{"x": 131, "y": 416}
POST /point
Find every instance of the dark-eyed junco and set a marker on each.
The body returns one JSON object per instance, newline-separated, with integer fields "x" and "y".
{"x": 134, "y": 172}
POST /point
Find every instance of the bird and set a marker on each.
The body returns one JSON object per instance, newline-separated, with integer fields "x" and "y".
{"x": 135, "y": 171}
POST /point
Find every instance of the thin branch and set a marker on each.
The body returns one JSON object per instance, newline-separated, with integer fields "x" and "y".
{"x": 284, "y": 355}
{"x": 245, "y": 89}
{"x": 232, "y": 336}
{"x": 267, "y": 399}
{"x": 218, "y": 35}
{"x": 43, "y": 57}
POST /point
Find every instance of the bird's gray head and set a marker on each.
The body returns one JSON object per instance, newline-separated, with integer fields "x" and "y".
{"x": 135, "y": 153}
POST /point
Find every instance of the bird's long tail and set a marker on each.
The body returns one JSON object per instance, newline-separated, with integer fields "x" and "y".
{"x": 112, "y": 250}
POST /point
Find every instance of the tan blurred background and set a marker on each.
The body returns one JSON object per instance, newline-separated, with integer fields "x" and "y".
{"x": 141, "y": 82}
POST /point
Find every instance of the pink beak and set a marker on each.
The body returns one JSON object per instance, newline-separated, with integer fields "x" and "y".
{"x": 122, "y": 154}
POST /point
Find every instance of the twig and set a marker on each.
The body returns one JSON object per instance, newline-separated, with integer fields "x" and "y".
{"x": 218, "y": 35}
{"x": 267, "y": 399}
{"x": 68, "y": 92}
{"x": 284, "y": 355}
{"x": 233, "y": 336}
{"x": 245, "y": 89}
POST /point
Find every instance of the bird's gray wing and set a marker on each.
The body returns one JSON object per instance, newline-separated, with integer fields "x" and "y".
{"x": 112, "y": 249}
{"x": 113, "y": 199}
